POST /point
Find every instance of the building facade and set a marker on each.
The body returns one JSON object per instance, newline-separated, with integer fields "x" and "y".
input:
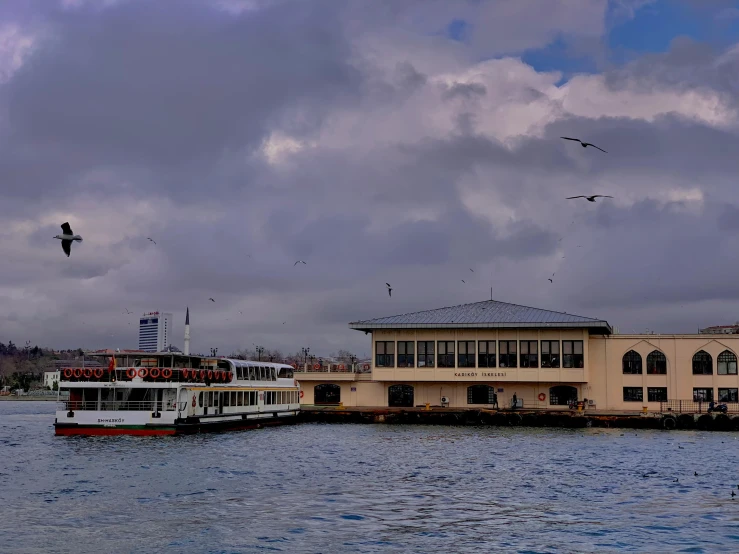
{"x": 469, "y": 355}
{"x": 155, "y": 331}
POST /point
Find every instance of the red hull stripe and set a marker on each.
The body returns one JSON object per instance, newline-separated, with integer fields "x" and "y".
{"x": 113, "y": 431}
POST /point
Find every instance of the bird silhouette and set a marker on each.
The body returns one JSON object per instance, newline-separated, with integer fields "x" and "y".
{"x": 389, "y": 290}
{"x": 463, "y": 281}
{"x": 695, "y": 474}
{"x": 584, "y": 144}
{"x": 151, "y": 239}
{"x": 67, "y": 237}
{"x": 472, "y": 270}
{"x": 298, "y": 262}
{"x": 211, "y": 299}
{"x": 550, "y": 280}
{"x": 589, "y": 198}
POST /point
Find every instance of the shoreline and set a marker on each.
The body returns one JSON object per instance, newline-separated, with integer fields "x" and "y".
{"x": 28, "y": 398}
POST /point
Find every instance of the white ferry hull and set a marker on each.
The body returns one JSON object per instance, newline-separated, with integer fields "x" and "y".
{"x": 144, "y": 424}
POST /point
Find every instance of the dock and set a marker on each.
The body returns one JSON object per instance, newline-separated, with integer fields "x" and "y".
{"x": 569, "y": 419}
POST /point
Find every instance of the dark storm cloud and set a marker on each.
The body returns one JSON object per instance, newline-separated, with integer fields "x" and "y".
{"x": 140, "y": 84}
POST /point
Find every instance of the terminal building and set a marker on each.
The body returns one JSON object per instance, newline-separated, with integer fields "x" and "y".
{"x": 472, "y": 354}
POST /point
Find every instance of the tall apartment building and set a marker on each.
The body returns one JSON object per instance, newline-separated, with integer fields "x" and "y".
{"x": 155, "y": 331}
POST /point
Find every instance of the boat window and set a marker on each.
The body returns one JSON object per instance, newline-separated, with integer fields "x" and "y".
{"x": 253, "y": 397}
{"x": 239, "y": 373}
{"x": 226, "y": 399}
{"x": 200, "y": 399}
{"x": 239, "y": 398}
{"x": 210, "y": 398}
{"x": 273, "y": 371}
{"x": 233, "y": 398}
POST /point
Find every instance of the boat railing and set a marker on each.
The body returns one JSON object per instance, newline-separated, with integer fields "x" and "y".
{"x": 124, "y": 406}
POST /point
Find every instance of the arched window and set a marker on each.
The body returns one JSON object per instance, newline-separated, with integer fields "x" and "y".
{"x": 702, "y": 363}
{"x": 656, "y": 363}
{"x": 632, "y": 363}
{"x": 327, "y": 393}
{"x": 480, "y": 394}
{"x": 726, "y": 363}
{"x": 400, "y": 396}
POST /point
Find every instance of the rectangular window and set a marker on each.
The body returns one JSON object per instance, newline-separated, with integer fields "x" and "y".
{"x": 405, "y": 354}
{"x": 426, "y": 353}
{"x": 728, "y": 395}
{"x": 486, "y": 353}
{"x": 466, "y": 354}
{"x": 226, "y": 400}
{"x": 508, "y": 353}
{"x": 446, "y": 353}
{"x": 550, "y": 353}
{"x": 529, "y": 353}
{"x": 384, "y": 354}
{"x": 657, "y": 394}
{"x": 239, "y": 398}
{"x": 702, "y": 395}
{"x": 633, "y": 394}
{"x": 572, "y": 353}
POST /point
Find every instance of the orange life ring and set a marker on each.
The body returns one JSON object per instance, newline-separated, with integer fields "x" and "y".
{"x": 185, "y": 373}
{"x": 341, "y": 367}
{"x": 202, "y": 374}
{"x": 365, "y": 366}
{"x": 316, "y": 366}
{"x": 130, "y": 373}
{"x": 143, "y": 372}
{"x": 193, "y": 401}
{"x": 77, "y": 372}
{"x": 210, "y": 375}
{"x": 88, "y": 372}
{"x": 167, "y": 373}
{"x": 294, "y": 366}
{"x": 67, "y": 372}
{"x": 301, "y": 394}
{"x": 155, "y": 373}
{"x": 98, "y": 372}
{"x": 542, "y": 396}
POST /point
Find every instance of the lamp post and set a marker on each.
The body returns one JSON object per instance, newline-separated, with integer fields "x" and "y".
{"x": 305, "y": 355}
{"x": 214, "y": 352}
{"x": 271, "y": 357}
{"x": 353, "y": 359}
{"x": 312, "y": 357}
{"x": 259, "y": 350}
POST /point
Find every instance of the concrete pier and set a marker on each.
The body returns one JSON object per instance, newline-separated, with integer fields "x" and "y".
{"x": 525, "y": 418}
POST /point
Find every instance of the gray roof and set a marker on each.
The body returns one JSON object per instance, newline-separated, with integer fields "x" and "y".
{"x": 489, "y": 314}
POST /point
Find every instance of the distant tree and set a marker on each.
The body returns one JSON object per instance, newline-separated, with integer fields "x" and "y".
{"x": 55, "y": 386}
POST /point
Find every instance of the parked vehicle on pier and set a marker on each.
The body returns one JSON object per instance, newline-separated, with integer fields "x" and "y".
{"x": 170, "y": 394}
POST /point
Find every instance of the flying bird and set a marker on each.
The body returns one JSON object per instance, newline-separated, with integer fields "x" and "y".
{"x": 463, "y": 281}
{"x": 584, "y": 144}
{"x": 67, "y": 237}
{"x": 211, "y": 299}
{"x": 389, "y": 290}
{"x": 151, "y": 239}
{"x": 590, "y": 198}
{"x": 550, "y": 280}
{"x": 298, "y": 262}
{"x": 472, "y": 270}
{"x": 126, "y": 312}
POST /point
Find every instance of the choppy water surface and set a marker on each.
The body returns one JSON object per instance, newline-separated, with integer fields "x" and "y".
{"x": 365, "y": 488}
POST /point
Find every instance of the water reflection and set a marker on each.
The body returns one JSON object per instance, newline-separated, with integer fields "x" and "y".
{"x": 366, "y": 488}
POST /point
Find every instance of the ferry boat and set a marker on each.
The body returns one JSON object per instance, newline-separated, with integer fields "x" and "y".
{"x": 166, "y": 393}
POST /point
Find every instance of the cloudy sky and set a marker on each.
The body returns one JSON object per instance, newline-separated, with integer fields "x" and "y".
{"x": 404, "y": 141}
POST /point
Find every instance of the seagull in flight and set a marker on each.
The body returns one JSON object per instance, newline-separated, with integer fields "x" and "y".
{"x": 127, "y": 312}
{"x": 389, "y": 290}
{"x": 298, "y": 262}
{"x": 584, "y": 144}
{"x": 590, "y": 198}
{"x": 67, "y": 237}
{"x": 151, "y": 239}
{"x": 211, "y": 299}
{"x": 472, "y": 270}
{"x": 463, "y": 281}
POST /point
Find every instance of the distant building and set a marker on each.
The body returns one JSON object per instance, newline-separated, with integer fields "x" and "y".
{"x": 721, "y": 330}
{"x": 51, "y": 377}
{"x": 155, "y": 331}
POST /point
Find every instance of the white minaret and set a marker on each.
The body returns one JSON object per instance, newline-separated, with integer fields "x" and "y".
{"x": 187, "y": 332}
